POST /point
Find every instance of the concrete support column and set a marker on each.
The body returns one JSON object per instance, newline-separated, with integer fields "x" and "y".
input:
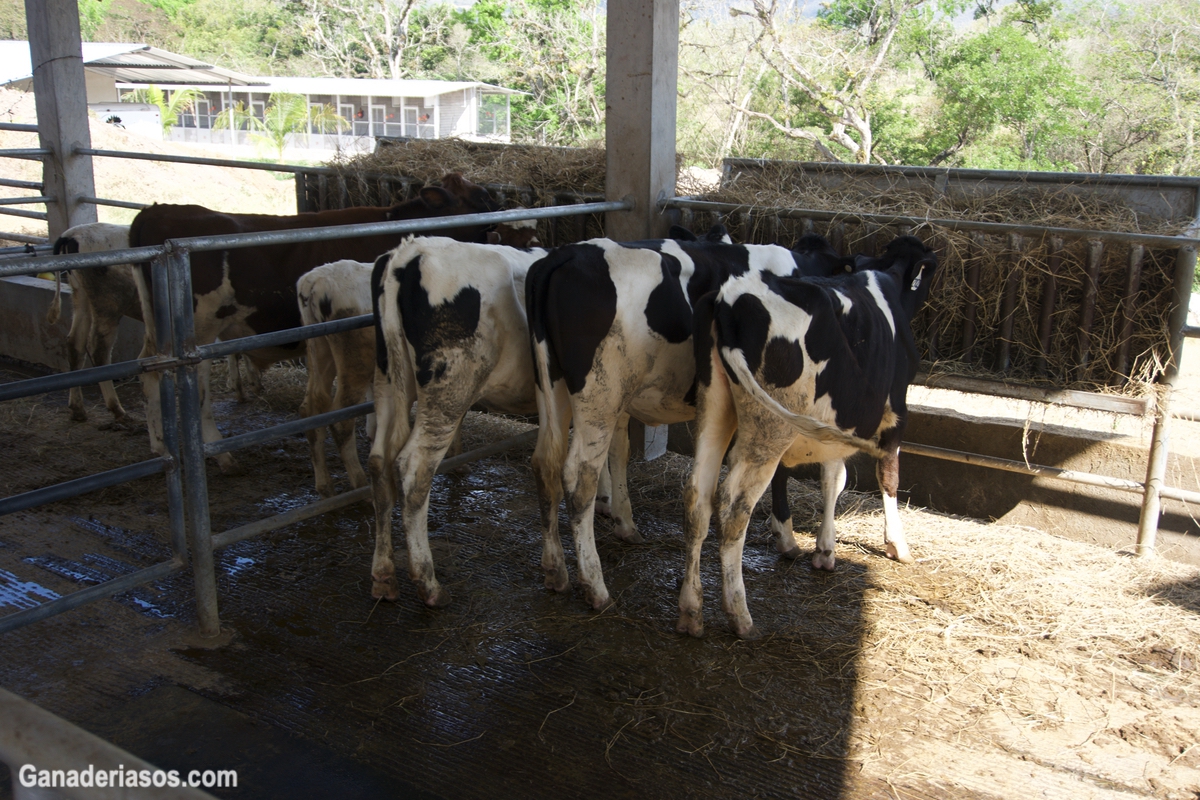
{"x": 640, "y": 87}
{"x": 60, "y": 93}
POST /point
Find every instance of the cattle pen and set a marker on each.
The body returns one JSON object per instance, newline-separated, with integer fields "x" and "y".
{"x": 225, "y": 621}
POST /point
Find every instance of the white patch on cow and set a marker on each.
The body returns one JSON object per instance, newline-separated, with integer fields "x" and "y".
{"x": 880, "y": 300}
{"x": 846, "y": 302}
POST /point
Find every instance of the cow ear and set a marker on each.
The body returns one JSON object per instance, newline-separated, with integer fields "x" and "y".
{"x": 436, "y": 197}
{"x": 493, "y": 237}
{"x": 718, "y": 233}
{"x": 681, "y": 234}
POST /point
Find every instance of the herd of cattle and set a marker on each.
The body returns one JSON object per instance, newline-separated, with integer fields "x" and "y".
{"x": 804, "y": 354}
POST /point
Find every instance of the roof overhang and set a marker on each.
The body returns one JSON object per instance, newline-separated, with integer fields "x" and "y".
{"x": 127, "y": 63}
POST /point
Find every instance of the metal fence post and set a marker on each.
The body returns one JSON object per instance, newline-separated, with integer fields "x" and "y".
{"x": 195, "y": 481}
{"x": 1156, "y": 469}
{"x": 170, "y": 419}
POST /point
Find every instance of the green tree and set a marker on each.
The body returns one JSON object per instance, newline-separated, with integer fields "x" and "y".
{"x": 829, "y": 71}
{"x": 1004, "y": 78}
{"x": 284, "y": 115}
{"x": 181, "y": 101}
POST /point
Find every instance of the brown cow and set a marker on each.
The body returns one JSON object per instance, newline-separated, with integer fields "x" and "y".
{"x": 248, "y": 291}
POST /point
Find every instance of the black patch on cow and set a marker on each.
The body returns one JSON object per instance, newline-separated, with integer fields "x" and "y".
{"x": 745, "y": 325}
{"x": 857, "y": 346}
{"x": 702, "y": 343}
{"x": 326, "y": 307}
{"x": 783, "y": 362}
{"x": 377, "y": 275}
{"x": 571, "y": 301}
{"x": 667, "y": 311}
{"x": 65, "y": 245}
{"x": 225, "y": 311}
{"x": 432, "y": 329}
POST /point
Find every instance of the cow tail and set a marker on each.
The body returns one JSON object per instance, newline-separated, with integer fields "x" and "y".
{"x": 804, "y": 424}
{"x": 65, "y": 244}
{"x": 537, "y": 289}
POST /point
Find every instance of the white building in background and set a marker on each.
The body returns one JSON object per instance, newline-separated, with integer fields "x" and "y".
{"x": 420, "y": 109}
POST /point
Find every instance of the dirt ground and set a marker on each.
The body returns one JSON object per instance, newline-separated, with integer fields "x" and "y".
{"x": 1006, "y": 663}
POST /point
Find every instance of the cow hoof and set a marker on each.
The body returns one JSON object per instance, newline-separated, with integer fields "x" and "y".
{"x": 229, "y": 465}
{"x": 325, "y": 491}
{"x": 628, "y": 534}
{"x": 791, "y": 553}
{"x": 901, "y": 555}
{"x": 748, "y": 634}
{"x": 691, "y": 623}
{"x": 385, "y": 589}
{"x": 438, "y": 598}
{"x": 558, "y": 581}
{"x": 823, "y": 559}
{"x": 78, "y": 415}
{"x": 597, "y": 600}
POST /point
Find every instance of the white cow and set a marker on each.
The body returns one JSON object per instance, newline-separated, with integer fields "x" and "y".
{"x": 100, "y": 296}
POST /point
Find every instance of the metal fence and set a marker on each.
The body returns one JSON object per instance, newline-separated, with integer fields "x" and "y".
{"x": 191, "y": 538}
{"x": 1154, "y": 488}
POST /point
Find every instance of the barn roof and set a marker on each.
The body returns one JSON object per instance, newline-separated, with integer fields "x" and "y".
{"x": 128, "y": 63}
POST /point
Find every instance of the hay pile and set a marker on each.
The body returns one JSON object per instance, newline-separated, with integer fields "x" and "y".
{"x": 975, "y": 270}
{"x": 982, "y": 278}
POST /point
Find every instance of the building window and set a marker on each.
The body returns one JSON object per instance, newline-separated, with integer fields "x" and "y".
{"x": 493, "y": 115}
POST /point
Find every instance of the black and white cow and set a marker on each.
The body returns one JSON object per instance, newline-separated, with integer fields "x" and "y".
{"x": 805, "y": 370}
{"x": 611, "y": 326}
{"x": 450, "y": 334}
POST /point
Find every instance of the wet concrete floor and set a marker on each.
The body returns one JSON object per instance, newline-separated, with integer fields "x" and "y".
{"x": 511, "y": 691}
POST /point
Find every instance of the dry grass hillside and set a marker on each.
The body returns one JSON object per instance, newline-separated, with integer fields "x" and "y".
{"x": 222, "y": 188}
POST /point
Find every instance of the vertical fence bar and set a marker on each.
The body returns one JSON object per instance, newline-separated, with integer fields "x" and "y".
{"x": 1087, "y": 309}
{"x": 195, "y": 480}
{"x": 1133, "y": 282}
{"x": 1049, "y": 295}
{"x": 837, "y": 236}
{"x": 687, "y": 219}
{"x": 1008, "y": 305}
{"x": 971, "y": 300}
{"x": 164, "y": 344}
{"x": 301, "y": 193}
{"x": 771, "y": 230}
{"x": 1156, "y": 468}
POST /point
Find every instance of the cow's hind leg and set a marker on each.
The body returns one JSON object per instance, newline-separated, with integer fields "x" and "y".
{"x": 833, "y": 480}
{"x": 548, "y": 456}
{"x": 615, "y": 467}
{"x": 100, "y": 345}
{"x": 749, "y": 475}
{"x": 781, "y": 515}
{"x": 391, "y": 431}
{"x": 581, "y": 475}
{"x": 431, "y": 436}
{"x": 317, "y": 400}
{"x": 77, "y": 340}
{"x": 888, "y": 473}
{"x": 716, "y": 423}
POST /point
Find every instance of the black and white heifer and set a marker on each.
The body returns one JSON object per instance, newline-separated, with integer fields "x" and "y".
{"x": 450, "y": 334}
{"x": 612, "y": 335}
{"x": 804, "y": 371}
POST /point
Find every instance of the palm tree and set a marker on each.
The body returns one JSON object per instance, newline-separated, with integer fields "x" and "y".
{"x": 285, "y": 114}
{"x": 182, "y": 101}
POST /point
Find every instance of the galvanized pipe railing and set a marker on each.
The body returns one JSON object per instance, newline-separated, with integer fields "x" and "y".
{"x": 1153, "y": 488}
{"x": 178, "y": 359}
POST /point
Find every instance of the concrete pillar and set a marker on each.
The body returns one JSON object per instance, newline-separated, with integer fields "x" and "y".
{"x": 640, "y": 87}
{"x": 60, "y": 94}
